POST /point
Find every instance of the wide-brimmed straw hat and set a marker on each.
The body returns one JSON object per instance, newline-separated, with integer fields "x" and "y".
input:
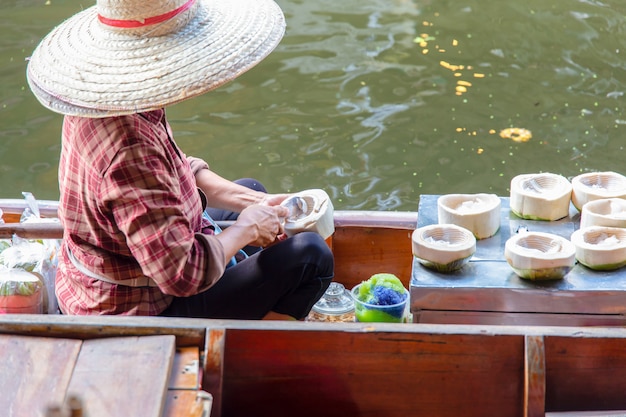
{"x": 129, "y": 56}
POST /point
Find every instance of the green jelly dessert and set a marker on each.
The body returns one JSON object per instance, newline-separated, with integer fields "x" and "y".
{"x": 382, "y": 298}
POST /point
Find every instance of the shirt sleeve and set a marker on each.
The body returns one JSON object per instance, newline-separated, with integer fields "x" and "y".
{"x": 142, "y": 191}
{"x": 197, "y": 164}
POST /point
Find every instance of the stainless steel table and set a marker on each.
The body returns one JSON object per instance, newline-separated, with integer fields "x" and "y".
{"x": 487, "y": 291}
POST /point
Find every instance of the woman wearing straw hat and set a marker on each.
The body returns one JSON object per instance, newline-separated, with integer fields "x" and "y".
{"x": 131, "y": 203}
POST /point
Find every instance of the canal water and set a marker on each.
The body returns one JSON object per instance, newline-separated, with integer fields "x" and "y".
{"x": 375, "y": 101}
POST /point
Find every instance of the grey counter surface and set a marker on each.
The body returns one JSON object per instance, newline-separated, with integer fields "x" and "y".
{"x": 487, "y": 282}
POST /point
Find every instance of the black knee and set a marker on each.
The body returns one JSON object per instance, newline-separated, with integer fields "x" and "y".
{"x": 311, "y": 248}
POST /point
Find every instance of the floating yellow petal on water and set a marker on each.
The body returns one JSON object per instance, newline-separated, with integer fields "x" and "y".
{"x": 516, "y": 134}
{"x": 455, "y": 42}
{"x": 479, "y": 75}
{"x": 480, "y": 151}
{"x": 451, "y": 67}
{"x": 465, "y": 83}
{"x": 461, "y": 89}
{"x": 492, "y": 131}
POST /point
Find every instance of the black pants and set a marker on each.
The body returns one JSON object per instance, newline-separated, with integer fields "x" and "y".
{"x": 287, "y": 278}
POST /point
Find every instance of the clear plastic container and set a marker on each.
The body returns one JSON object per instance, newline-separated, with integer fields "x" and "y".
{"x": 336, "y": 305}
{"x": 392, "y": 313}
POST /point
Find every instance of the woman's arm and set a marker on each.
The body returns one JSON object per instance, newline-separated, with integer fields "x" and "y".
{"x": 261, "y": 216}
{"x": 224, "y": 194}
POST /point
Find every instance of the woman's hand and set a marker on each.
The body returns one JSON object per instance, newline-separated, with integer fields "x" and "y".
{"x": 257, "y": 225}
{"x": 266, "y": 220}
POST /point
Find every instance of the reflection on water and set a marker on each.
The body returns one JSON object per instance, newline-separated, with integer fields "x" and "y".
{"x": 376, "y": 102}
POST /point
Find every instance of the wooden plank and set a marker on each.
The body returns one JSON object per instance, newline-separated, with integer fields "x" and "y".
{"x": 534, "y": 377}
{"x": 184, "y": 385}
{"x": 516, "y": 319}
{"x": 342, "y": 219}
{"x": 585, "y": 373}
{"x": 195, "y": 330}
{"x": 35, "y": 373}
{"x": 124, "y": 376}
{"x": 40, "y": 230}
{"x": 371, "y": 374}
{"x": 213, "y": 377}
{"x": 183, "y": 403}
{"x": 188, "y": 332}
{"x": 186, "y": 369}
{"x": 362, "y": 252}
{"x": 615, "y": 413}
{"x": 180, "y": 403}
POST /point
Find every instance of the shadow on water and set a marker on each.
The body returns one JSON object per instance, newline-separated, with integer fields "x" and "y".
{"x": 375, "y": 101}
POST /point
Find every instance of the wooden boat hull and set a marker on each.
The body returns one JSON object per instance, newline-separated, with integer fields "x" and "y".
{"x": 356, "y": 369}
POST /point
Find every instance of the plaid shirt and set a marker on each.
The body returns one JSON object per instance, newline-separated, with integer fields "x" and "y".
{"x": 130, "y": 208}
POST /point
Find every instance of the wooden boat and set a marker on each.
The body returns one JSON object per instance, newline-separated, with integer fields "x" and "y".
{"x": 163, "y": 366}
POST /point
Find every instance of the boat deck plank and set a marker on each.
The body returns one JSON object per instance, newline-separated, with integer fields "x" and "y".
{"x": 35, "y": 373}
{"x": 185, "y": 403}
{"x": 125, "y": 376}
{"x": 186, "y": 369}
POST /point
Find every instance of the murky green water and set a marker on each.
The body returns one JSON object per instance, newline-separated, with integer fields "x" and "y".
{"x": 375, "y": 101}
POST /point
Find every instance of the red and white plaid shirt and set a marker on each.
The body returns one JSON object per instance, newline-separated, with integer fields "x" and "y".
{"x": 130, "y": 208}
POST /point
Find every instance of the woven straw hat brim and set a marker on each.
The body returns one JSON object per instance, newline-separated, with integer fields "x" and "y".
{"x": 82, "y": 69}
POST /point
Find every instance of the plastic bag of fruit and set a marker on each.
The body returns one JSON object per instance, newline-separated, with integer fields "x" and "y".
{"x": 38, "y": 257}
